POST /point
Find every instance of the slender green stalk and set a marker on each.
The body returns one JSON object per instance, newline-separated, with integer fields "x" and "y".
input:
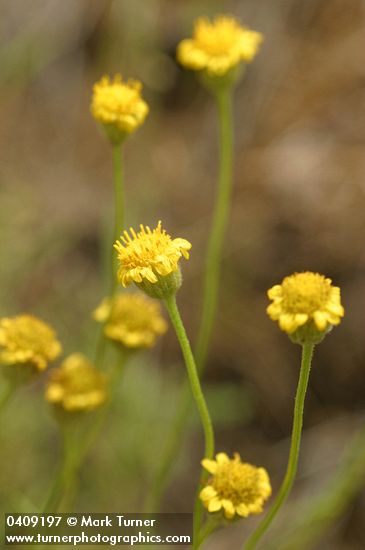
{"x": 118, "y": 205}
{"x": 307, "y": 353}
{"x": 65, "y": 481}
{"x": 192, "y": 374}
{"x": 210, "y": 293}
{"x": 220, "y": 218}
{"x": 316, "y": 515}
{"x": 214, "y": 253}
{"x": 64, "y": 475}
{"x": 70, "y": 473}
{"x": 117, "y": 230}
{"x": 198, "y": 396}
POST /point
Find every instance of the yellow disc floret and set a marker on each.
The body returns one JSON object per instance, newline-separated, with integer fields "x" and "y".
{"x": 132, "y": 320}
{"x": 118, "y": 106}
{"x": 218, "y": 46}
{"x": 76, "y": 385}
{"x": 305, "y": 299}
{"x": 26, "y": 340}
{"x": 149, "y": 255}
{"x": 235, "y": 487}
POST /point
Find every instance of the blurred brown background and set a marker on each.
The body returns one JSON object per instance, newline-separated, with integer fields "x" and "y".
{"x": 299, "y": 204}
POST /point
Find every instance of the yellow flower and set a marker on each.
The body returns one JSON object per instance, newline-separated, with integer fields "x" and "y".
{"x": 76, "y": 385}
{"x": 118, "y": 106}
{"x": 218, "y": 46}
{"x": 132, "y": 320}
{"x": 235, "y": 487}
{"x": 149, "y": 256}
{"x": 305, "y": 300}
{"x": 26, "y": 340}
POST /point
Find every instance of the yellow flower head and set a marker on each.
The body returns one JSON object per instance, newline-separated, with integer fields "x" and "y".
{"x": 26, "y": 340}
{"x": 76, "y": 385}
{"x": 235, "y": 487}
{"x": 118, "y": 106}
{"x": 150, "y": 258}
{"x": 218, "y": 46}
{"x": 305, "y": 301}
{"x": 132, "y": 320}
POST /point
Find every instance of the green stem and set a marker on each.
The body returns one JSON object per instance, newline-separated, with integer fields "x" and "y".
{"x": 63, "y": 476}
{"x": 217, "y": 234}
{"x": 214, "y": 253}
{"x": 307, "y": 353}
{"x": 117, "y": 231}
{"x": 118, "y": 194}
{"x": 192, "y": 374}
{"x": 319, "y": 513}
{"x": 198, "y": 396}
{"x": 70, "y": 475}
{"x": 210, "y": 294}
